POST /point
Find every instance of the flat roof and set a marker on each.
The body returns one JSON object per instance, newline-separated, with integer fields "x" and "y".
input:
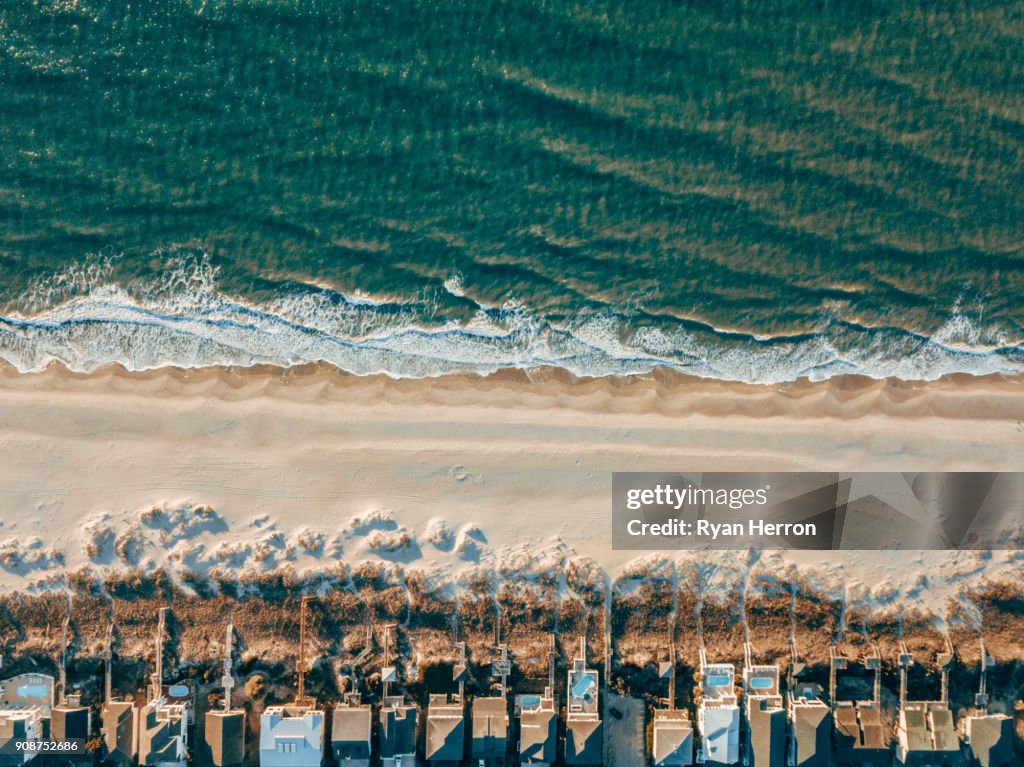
{"x": 291, "y": 711}
{"x": 761, "y": 680}
{"x": 533, "y": 702}
{"x": 29, "y": 689}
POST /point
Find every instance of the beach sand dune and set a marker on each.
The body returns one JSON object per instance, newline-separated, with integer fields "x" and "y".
{"x": 248, "y": 470}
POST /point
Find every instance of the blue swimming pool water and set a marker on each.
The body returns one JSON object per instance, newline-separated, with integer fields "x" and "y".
{"x": 529, "y": 701}
{"x": 33, "y": 691}
{"x": 583, "y": 686}
{"x": 719, "y": 680}
{"x": 761, "y": 683}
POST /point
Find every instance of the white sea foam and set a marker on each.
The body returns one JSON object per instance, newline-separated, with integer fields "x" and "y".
{"x": 454, "y": 285}
{"x": 82, "y": 319}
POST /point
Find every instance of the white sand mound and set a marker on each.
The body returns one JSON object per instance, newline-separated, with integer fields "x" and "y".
{"x": 25, "y": 557}
{"x": 191, "y": 540}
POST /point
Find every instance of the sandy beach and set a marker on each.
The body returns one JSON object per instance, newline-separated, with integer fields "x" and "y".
{"x": 440, "y": 472}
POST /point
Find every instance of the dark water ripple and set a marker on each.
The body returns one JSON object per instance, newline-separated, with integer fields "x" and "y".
{"x": 746, "y": 190}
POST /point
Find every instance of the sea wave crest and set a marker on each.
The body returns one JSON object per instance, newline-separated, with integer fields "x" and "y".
{"x": 84, "y": 320}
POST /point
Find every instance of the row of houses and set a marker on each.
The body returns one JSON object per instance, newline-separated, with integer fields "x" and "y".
{"x": 292, "y": 736}
{"x": 747, "y": 720}
{"x": 740, "y": 719}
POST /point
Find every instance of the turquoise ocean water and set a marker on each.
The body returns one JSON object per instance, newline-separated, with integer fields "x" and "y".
{"x": 755, "y": 191}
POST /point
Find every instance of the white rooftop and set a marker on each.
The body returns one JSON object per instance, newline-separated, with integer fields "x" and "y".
{"x": 291, "y": 736}
{"x": 720, "y": 728}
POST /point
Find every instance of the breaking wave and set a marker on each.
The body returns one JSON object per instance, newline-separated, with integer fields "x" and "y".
{"x": 84, "y": 320}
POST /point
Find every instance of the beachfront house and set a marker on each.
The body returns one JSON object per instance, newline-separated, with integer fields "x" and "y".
{"x": 989, "y": 739}
{"x": 490, "y": 731}
{"x": 350, "y": 732}
{"x": 810, "y": 725}
{"x": 119, "y": 718}
{"x": 446, "y": 730}
{"x": 446, "y": 726}
{"x": 164, "y": 725}
{"x": 26, "y": 701}
{"x": 584, "y": 743}
{"x": 224, "y": 730}
{"x": 925, "y": 734}
{"x": 225, "y": 737}
{"x": 490, "y": 718}
{"x": 765, "y": 715}
{"x": 398, "y": 718}
{"x": 672, "y": 744}
{"x": 398, "y": 721}
{"x": 292, "y": 736}
{"x": 70, "y": 720}
{"x": 119, "y": 726}
{"x": 718, "y": 715}
{"x": 988, "y": 736}
{"x": 538, "y": 723}
{"x": 672, "y": 736}
{"x": 860, "y": 737}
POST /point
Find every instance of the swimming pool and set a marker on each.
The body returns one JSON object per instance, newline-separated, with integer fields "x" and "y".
{"x": 761, "y": 683}
{"x": 583, "y": 687}
{"x": 719, "y": 680}
{"x": 529, "y": 701}
{"x": 33, "y": 691}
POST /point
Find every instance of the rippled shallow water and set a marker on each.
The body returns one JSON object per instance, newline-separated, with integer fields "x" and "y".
{"x": 754, "y": 191}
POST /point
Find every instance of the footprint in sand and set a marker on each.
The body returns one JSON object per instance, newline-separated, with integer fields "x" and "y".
{"x": 459, "y": 474}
